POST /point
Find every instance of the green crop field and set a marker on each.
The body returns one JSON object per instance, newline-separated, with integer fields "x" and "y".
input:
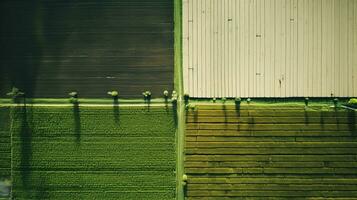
{"x": 90, "y": 152}
{"x": 58, "y": 150}
{"x": 5, "y": 144}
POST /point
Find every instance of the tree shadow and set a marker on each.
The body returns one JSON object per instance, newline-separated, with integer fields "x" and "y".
{"x": 148, "y": 102}
{"x": 23, "y": 48}
{"x": 34, "y": 44}
{"x": 224, "y": 107}
{"x": 42, "y": 189}
{"x": 251, "y": 123}
{"x": 185, "y": 190}
{"x": 195, "y": 115}
{"x": 77, "y": 121}
{"x": 25, "y": 134}
{"x": 166, "y": 104}
{"x": 352, "y": 122}
{"x": 237, "y": 106}
{"x": 306, "y": 117}
{"x": 174, "y": 112}
{"x": 322, "y": 121}
{"x": 238, "y": 113}
{"x": 116, "y": 111}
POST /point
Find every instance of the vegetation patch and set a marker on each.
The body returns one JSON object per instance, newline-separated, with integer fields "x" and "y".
{"x": 5, "y": 152}
{"x": 93, "y": 152}
{"x": 352, "y": 103}
{"x": 270, "y": 151}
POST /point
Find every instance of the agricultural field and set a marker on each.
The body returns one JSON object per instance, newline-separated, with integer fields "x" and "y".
{"x": 54, "y": 47}
{"x": 270, "y": 152}
{"x": 5, "y": 144}
{"x": 79, "y": 152}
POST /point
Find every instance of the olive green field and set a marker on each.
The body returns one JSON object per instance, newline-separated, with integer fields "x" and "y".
{"x": 270, "y": 151}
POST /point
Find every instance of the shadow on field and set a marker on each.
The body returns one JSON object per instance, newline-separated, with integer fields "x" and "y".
{"x": 166, "y": 104}
{"x": 238, "y": 111}
{"x": 77, "y": 121}
{"x": 31, "y": 188}
{"x": 185, "y": 190}
{"x": 116, "y": 111}
{"x": 174, "y": 113}
{"x": 25, "y": 134}
{"x": 322, "y": 121}
{"x": 224, "y": 108}
{"x": 306, "y": 116}
{"x": 22, "y": 49}
{"x": 237, "y": 106}
{"x": 42, "y": 190}
{"x": 352, "y": 122}
{"x": 148, "y": 102}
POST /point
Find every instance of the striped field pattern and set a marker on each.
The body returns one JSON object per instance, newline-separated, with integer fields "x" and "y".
{"x": 93, "y": 153}
{"x": 270, "y": 152}
{"x": 5, "y": 144}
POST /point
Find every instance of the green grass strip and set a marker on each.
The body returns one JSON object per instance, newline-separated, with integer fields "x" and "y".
{"x": 178, "y": 80}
